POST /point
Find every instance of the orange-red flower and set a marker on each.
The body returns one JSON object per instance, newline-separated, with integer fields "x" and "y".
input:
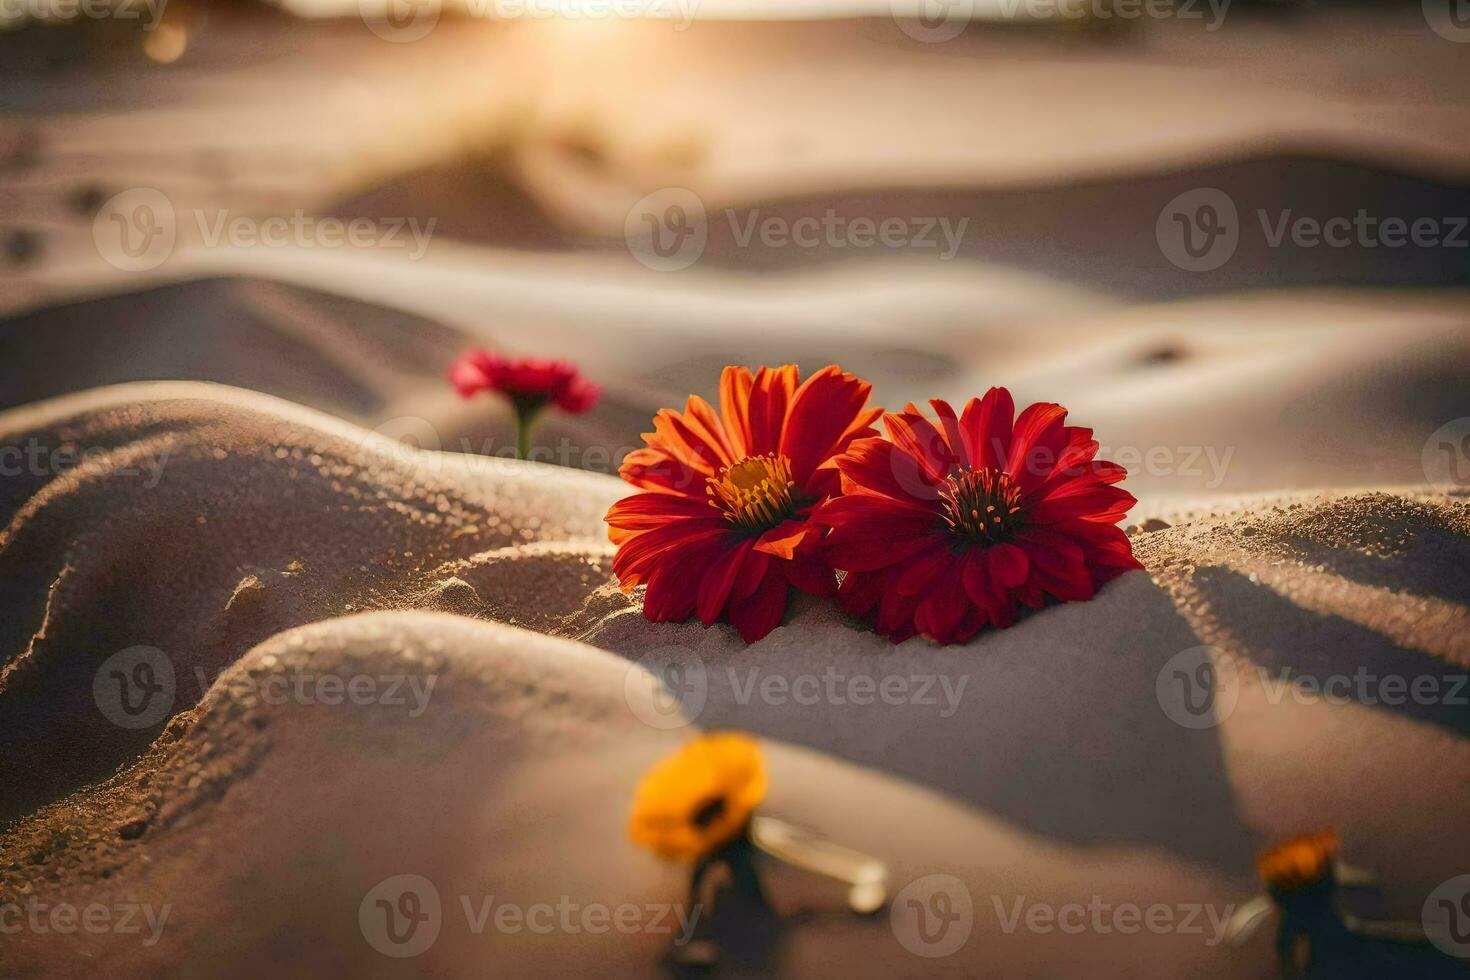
{"x": 1299, "y": 862}
{"x": 699, "y": 799}
{"x": 950, "y": 527}
{"x": 530, "y": 384}
{"x": 722, "y": 526}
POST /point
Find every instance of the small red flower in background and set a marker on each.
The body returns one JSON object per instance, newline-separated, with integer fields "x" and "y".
{"x": 722, "y": 526}
{"x": 949, "y": 528}
{"x": 530, "y": 384}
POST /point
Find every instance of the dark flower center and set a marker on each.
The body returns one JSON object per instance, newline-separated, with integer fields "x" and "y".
{"x": 980, "y": 506}
{"x": 755, "y": 494}
{"x": 708, "y": 812}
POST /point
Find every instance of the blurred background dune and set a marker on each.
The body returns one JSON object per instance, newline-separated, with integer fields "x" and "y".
{"x": 504, "y": 167}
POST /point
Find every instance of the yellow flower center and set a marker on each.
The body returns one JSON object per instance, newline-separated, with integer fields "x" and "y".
{"x": 980, "y": 506}
{"x": 755, "y": 494}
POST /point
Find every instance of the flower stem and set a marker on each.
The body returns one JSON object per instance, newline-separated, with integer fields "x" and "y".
{"x": 523, "y": 435}
{"x": 526, "y": 413}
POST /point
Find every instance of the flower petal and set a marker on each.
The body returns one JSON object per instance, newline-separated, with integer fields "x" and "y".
{"x": 643, "y": 511}
{"x": 922, "y": 569}
{"x": 916, "y": 436}
{"x": 939, "y": 615}
{"x": 761, "y": 612}
{"x": 718, "y": 579}
{"x": 986, "y": 425}
{"x": 770, "y": 396}
{"x": 822, "y": 410}
{"x": 1007, "y": 565}
{"x": 783, "y": 539}
{"x": 656, "y": 470}
{"x": 468, "y": 377}
{"x": 1036, "y": 444}
{"x": 953, "y": 431}
{"x": 877, "y": 466}
{"x": 673, "y": 584}
{"x": 811, "y": 575}
{"x": 735, "y": 386}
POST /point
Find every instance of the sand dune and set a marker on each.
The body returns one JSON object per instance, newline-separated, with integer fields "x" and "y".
{"x": 1346, "y": 386}
{"x": 303, "y": 345}
{"x": 1058, "y": 727}
{"x": 206, "y": 520}
{"x": 528, "y": 746}
{"x": 1296, "y": 107}
{"x": 1099, "y": 231}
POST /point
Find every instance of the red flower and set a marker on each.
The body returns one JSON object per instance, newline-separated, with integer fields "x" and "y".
{"x": 947, "y": 529}
{"x": 530, "y": 383}
{"x": 722, "y": 527}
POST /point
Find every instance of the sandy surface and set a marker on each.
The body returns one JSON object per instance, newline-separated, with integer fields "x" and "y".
{"x": 542, "y": 135}
{"x": 1055, "y": 775}
{"x": 1347, "y": 388}
{"x": 347, "y": 517}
